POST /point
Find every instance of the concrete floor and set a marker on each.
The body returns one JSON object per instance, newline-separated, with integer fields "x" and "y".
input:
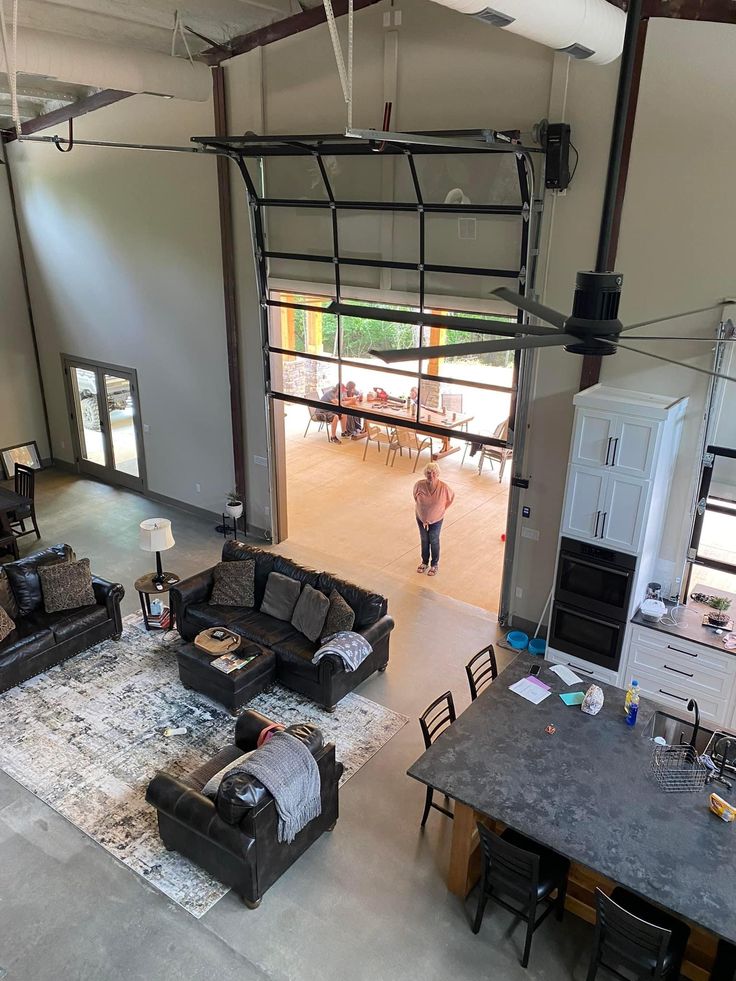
{"x": 366, "y": 902}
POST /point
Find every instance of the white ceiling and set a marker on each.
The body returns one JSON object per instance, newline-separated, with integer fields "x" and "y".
{"x": 133, "y": 24}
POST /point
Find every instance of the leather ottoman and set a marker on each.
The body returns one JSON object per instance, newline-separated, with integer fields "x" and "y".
{"x": 231, "y": 690}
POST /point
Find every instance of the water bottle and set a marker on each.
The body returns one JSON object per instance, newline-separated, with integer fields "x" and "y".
{"x": 631, "y": 704}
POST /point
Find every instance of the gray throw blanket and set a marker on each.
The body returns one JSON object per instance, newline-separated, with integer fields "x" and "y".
{"x": 287, "y": 769}
{"x": 351, "y": 647}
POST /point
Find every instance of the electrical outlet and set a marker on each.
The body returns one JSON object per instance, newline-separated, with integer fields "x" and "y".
{"x": 267, "y": 511}
{"x": 387, "y": 18}
{"x": 198, "y": 488}
{"x": 531, "y": 533}
{"x": 63, "y": 444}
{"x": 146, "y": 428}
{"x": 519, "y": 592}
{"x": 261, "y": 461}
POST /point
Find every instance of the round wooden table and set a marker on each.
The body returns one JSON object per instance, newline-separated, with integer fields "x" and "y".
{"x": 146, "y": 588}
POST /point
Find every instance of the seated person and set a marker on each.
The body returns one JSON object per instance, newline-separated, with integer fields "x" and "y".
{"x": 331, "y": 418}
{"x": 352, "y": 426}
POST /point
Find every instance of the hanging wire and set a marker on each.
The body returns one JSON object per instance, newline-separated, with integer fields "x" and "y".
{"x": 180, "y": 32}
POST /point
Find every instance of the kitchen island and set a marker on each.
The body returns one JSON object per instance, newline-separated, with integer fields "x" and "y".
{"x": 586, "y": 792}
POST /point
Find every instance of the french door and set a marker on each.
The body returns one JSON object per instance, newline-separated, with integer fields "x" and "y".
{"x": 106, "y": 422}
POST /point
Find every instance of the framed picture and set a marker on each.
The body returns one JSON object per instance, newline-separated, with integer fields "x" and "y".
{"x": 25, "y": 453}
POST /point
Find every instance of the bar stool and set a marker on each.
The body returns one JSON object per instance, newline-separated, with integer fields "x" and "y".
{"x": 527, "y": 873}
{"x": 434, "y": 720}
{"x": 724, "y": 966}
{"x": 481, "y": 670}
{"x": 634, "y": 934}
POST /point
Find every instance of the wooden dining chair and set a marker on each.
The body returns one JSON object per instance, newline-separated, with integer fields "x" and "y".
{"x": 380, "y": 436}
{"x": 481, "y": 670}
{"x": 433, "y": 721}
{"x": 25, "y": 485}
{"x": 498, "y": 453}
{"x": 8, "y": 543}
{"x": 527, "y": 873}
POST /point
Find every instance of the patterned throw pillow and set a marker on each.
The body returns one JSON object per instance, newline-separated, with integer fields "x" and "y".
{"x": 340, "y": 616}
{"x": 234, "y": 583}
{"x": 7, "y": 598}
{"x": 6, "y": 625}
{"x": 66, "y": 586}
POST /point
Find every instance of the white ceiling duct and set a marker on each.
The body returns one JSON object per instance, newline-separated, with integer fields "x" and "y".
{"x": 585, "y": 29}
{"x": 109, "y": 66}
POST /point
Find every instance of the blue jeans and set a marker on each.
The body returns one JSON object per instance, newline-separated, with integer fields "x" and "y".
{"x": 430, "y": 540}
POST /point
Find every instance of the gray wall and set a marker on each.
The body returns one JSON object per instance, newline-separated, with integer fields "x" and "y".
{"x": 129, "y": 241}
{"x": 123, "y": 258}
{"x": 21, "y": 408}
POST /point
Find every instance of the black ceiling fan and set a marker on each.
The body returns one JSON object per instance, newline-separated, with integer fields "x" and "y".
{"x": 593, "y": 326}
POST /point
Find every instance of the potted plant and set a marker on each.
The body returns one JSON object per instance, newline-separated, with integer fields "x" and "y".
{"x": 234, "y": 505}
{"x": 720, "y": 604}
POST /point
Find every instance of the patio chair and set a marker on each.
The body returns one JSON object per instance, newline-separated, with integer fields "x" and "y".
{"x": 491, "y": 453}
{"x": 380, "y": 435}
{"x": 452, "y": 403}
{"x": 409, "y": 439}
{"x": 321, "y": 424}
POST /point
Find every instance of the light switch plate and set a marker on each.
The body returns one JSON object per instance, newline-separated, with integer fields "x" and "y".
{"x": 531, "y": 533}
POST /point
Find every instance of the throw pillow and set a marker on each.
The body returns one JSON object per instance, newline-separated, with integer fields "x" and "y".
{"x": 213, "y": 784}
{"x": 6, "y": 624}
{"x": 7, "y": 598}
{"x": 281, "y": 596}
{"x": 234, "y": 583}
{"x": 66, "y": 586}
{"x": 310, "y": 612}
{"x": 340, "y": 616}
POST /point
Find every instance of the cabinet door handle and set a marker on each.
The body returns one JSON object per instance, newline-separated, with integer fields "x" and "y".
{"x": 603, "y": 526}
{"x": 670, "y": 695}
{"x": 608, "y": 450}
{"x": 615, "y": 451}
{"x": 597, "y": 519}
{"x": 671, "y": 648}
{"x": 688, "y": 674}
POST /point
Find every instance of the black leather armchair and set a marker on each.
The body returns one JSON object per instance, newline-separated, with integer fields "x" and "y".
{"x": 235, "y": 837}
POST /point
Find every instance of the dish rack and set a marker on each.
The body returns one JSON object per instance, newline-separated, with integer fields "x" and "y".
{"x": 677, "y": 769}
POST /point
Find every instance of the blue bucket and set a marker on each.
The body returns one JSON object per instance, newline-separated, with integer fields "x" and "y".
{"x": 517, "y": 639}
{"x": 537, "y": 645}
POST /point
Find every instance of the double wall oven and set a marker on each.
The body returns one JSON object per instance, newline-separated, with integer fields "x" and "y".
{"x": 591, "y": 602}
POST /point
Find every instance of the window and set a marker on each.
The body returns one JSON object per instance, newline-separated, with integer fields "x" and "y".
{"x": 712, "y": 553}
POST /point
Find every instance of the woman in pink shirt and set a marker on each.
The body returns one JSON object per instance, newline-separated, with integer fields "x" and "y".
{"x": 432, "y": 498}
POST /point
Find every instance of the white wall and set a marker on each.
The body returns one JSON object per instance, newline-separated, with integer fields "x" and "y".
{"x": 123, "y": 256}
{"x": 21, "y": 407}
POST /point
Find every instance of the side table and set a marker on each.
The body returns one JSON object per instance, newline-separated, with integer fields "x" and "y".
{"x": 146, "y": 588}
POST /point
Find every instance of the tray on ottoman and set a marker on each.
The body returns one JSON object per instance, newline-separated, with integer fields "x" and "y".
{"x": 231, "y": 690}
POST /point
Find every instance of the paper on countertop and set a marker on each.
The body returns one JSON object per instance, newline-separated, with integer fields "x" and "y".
{"x": 532, "y": 692}
{"x": 535, "y": 680}
{"x": 573, "y": 697}
{"x": 565, "y": 674}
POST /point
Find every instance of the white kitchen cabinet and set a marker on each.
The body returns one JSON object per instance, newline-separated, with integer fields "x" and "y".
{"x": 606, "y": 508}
{"x": 671, "y": 670}
{"x": 620, "y": 443}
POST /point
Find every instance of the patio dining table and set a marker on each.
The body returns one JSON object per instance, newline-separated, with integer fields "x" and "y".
{"x": 435, "y": 417}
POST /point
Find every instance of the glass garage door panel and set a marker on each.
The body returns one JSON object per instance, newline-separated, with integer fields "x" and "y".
{"x": 91, "y": 438}
{"x": 121, "y": 412}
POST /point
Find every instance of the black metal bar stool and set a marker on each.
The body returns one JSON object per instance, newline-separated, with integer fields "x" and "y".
{"x": 433, "y": 722}
{"x": 527, "y": 873}
{"x": 481, "y": 670}
{"x": 633, "y": 934}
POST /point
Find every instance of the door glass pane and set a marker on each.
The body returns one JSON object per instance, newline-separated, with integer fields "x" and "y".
{"x": 91, "y": 440}
{"x": 121, "y": 411}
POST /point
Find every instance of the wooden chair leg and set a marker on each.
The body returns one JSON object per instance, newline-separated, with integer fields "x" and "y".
{"x": 427, "y": 806}
{"x": 529, "y": 935}
{"x": 365, "y": 448}
{"x": 35, "y": 522}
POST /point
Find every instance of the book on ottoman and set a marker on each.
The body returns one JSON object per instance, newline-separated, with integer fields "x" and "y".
{"x": 231, "y": 662}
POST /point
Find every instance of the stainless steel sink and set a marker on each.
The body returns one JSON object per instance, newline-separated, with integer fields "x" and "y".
{"x": 675, "y": 730}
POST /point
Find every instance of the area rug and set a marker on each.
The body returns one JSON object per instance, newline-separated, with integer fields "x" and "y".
{"x": 87, "y": 736}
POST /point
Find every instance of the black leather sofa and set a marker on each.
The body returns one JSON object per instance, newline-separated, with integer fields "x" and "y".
{"x": 325, "y": 683}
{"x": 235, "y": 837}
{"x": 41, "y": 640}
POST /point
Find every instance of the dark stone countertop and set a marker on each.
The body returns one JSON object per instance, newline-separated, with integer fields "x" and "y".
{"x": 586, "y": 792}
{"x": 690, "y": 626}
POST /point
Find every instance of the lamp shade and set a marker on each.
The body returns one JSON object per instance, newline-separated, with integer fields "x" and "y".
{"x": 155, "y": 535}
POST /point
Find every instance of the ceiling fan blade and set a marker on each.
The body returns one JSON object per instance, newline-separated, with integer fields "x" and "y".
{"x": 472, "y": 347}
{"x": 682, "y": 337}
{"x": 660, "y": 357}
{"x": 673, "y": 316}
{"x": 414, "y": 318}
{"x": 525, "y": 303}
